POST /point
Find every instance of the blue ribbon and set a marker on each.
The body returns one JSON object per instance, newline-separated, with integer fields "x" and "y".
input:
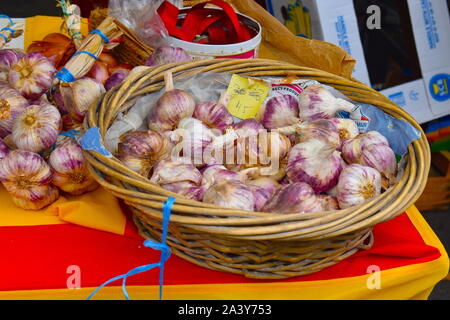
{"x": 91, "y": 140}
{"x": 10, "y": 30}
{"x": 4, "y": 37}
{"x": 65, "y": 75}
{"x": 86, "y": 52}
{"x": 101, "y": 34}
{"x": 165, "y": 254}
{"x": 72, "y": 133}
{"x": 7, "y": 17}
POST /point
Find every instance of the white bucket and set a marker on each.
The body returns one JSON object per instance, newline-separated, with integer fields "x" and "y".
{"x": 243, "y": 50}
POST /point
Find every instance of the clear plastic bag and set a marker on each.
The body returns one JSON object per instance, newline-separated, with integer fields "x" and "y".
{"x": 142, "y": 18}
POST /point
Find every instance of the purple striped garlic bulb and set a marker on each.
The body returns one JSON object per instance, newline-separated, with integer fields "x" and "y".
{"x": 248, "y": 127}
{"x": 180, "y": 176}
{"x": 70, "y": 170}
{"x": 315, "y": 163}
{"x": 11, "y": 105}
{"x": 357, "y": 185}
{"x": 166, "y": 54}
{"x": 347, "y": 128}
{"x": 372, "y": 150}
{"x": 4, "y": 149}
{"x": 116, "y": 78}
{"x": 297, "y": 197}
{"x": 140, "y": 150}
{"x": 8, "y": 58}
{"x": 321, "y": 129}
{"x": 32, "y": 75}
{"x": 173, "y": 106}
{"x": 80, "y": 95}
{"x": 279, "y": 111}
{"x": 316, "y": 102}
{"x": 217, "y": 172}
{"x": 263, "y": 190}
{"x": 230, "y": 194}
{"x": 27, "y": 177}
{"x": 37, "y": 128}
{"x": 215, "y": 114}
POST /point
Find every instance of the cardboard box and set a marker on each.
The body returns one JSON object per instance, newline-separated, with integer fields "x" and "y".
{"x": 333, "y": 21}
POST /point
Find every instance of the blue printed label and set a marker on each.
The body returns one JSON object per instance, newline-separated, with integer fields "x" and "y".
{"x": 430, "y": 24}
{"x": 341, "y": 30}
{"x": 439, "y": 87}
{"x": 398, "y": 98}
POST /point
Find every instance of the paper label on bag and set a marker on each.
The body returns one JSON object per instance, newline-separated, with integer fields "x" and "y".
{"x": 246, "y": 96}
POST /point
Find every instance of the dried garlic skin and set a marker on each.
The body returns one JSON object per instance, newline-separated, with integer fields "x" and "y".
{"x": 140, "y": 150}
{"x": 230, "y": 194}
{"x": 316, "y": 102}
{"x": 315, "y": 163}
{"x": 279, "y": 111}
{"x": 32, "y": 75}
{"x": 37, "y": 128}
{"x": 12, "y": 104}
{"x": 70, "y": 170}
{"x": 27, "y": 177}
{"x": 357, "y": 185}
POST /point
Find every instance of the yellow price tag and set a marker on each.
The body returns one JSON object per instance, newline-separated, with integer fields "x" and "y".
{"x": 246, "y": 96}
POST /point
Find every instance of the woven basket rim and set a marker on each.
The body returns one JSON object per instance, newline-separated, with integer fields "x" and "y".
{"x": 245, "y": 224}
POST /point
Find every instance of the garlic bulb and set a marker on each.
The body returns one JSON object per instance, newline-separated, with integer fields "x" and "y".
{"x": 173, "y": 106}
{"x": 116, "y": 78}
{"x": 315, "y": 163}
{"x": 357, "y": 184}
{"x": 186, "y": 189}
{"x": 263, "y": 189}
{"x": 27, "y": 177}
{"x": 78, "y": 96}
{"x": 192, "y": 137}
{"x": 316, "y": 102}
{"x": 166, "y": 54}
{"x": 230, "y": 194}
{"x": 173, "y": 170}
{"x": 329, "y": 203}
{"x": 140, "y": 150}
{"x": 215, "y": 114}
{"x": 8, "y": 58}
{"x": 11, "y": 105}
{"x": 58, "y": 101}
{"x": 4, "y": 149}
{"x": 32, "y": 75}
{"x": 214, "y": 173}
{"x": 279, "y": 111}
{"x": 70, "y": 171}
{"x": 321, "y": 129}
{"x": 294, "y": 198}
{"x": 248, "y": 128}
{"x": 372, "y": 150}
{"x": 37, "y": 128}
{"x": 347, "y": 128}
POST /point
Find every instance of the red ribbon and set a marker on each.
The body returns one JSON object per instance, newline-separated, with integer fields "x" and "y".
{"x": 221, "y": 26}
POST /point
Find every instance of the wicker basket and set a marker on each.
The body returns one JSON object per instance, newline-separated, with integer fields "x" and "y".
{"x": 258, "y": 245}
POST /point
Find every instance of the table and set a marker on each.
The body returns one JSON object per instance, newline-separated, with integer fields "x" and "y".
{"x": 45, "y": 252}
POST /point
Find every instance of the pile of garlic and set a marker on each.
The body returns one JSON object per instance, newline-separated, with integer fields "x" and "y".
{"x": 323, "y": 162}
{"x": 37, "y": 163}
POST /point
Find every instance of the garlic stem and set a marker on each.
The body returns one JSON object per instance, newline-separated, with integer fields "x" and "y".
{"x": 168, "y": 81}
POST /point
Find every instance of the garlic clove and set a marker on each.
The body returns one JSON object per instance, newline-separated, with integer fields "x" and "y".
{"x": 32, "y": 75}
{"x": 37, "y": 128}
{"x": 173, "y": 106}
{"x": 70, "y": 169}
{"x": 230, "y": 194}
{"x": 167, "y": 54}
{"x": 357, "y": 185}
{"x": 315, "y": 163}
{"x": 316, "y": 102}
{"x": 11, "y": 105}
{"x": 140, "y": 150}
{"x": 27, "y": 177}
{"x": 78, "y": 96}
{"x": 279, "y": 111}
{"x": 294, "y": 198}
{"x": 215, "y": 114}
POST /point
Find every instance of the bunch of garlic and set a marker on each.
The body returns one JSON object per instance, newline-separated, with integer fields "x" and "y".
{"x": 27, "y": 177}
{"x": 36, "y": 129}
{"x": 70, "y": 171}
{"x": 372, "y": 149}
{"x": 140, "y": 150}
{"x": 173, "y": 106}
